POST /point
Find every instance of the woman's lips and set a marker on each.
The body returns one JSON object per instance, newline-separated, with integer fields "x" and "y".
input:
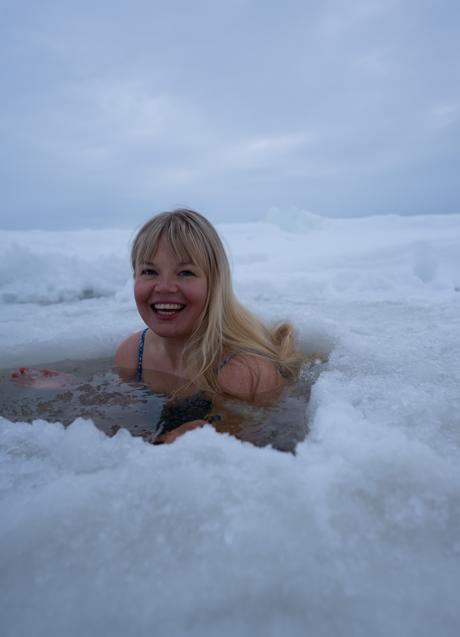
{"x": 167, "y": 310}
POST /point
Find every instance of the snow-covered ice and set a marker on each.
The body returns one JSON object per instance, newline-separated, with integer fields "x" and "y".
{"x": 357, "y": 534}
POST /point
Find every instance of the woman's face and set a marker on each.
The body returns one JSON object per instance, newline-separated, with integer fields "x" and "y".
{"x": 170, "y": 296}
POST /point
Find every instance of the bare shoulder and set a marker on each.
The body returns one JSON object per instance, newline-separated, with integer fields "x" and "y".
{"x": 251, "y": 377}
{"x": 126, "y": 354}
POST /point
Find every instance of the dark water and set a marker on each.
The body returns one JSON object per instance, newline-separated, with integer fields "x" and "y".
{"x": 111, "y": 403}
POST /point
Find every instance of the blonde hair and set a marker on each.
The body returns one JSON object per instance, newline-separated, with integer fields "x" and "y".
{"x": 226, "y": 326}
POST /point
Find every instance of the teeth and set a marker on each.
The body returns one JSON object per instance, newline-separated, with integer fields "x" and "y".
{"x": 168, "y": 306}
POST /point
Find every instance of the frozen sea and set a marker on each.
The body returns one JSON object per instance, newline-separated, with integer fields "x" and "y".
{"x": 357, "y": 534}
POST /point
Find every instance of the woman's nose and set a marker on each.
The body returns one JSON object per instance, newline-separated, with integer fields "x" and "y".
{"x": 166, "y": 283}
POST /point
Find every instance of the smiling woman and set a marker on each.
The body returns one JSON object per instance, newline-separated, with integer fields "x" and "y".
{"x": 196, "y": 328}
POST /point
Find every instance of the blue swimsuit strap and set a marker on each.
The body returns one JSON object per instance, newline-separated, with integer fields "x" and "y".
{"x": 140, "y": 353}
{"x": 226, "y": 360}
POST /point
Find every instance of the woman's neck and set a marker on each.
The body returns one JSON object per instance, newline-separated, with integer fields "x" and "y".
{"x": 169, "y": 352}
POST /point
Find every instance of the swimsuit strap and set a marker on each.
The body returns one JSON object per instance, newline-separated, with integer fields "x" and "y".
{"x": 140, "y": 353}
{"x": 226, "y": 360}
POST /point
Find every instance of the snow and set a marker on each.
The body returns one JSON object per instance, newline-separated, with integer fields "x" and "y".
{"x": 357, "y": 534}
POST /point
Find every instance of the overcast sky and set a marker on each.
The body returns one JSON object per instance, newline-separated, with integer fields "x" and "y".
{"x": 112, "y": 110}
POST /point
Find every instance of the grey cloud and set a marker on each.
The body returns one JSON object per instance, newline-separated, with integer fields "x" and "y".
{"x": 115, "y": 109}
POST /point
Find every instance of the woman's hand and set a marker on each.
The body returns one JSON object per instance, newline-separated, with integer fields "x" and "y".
{"x": 42, "y": 378}
{"x": 171, "y": 436}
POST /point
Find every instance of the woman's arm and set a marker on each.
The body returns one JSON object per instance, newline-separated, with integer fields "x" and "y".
{"x": 126, "y": 354}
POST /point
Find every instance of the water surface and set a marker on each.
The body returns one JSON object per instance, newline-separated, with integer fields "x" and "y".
{"x": 100, "y": 394}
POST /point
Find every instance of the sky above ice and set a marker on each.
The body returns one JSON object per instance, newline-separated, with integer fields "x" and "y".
{"x": 113, "y": 110}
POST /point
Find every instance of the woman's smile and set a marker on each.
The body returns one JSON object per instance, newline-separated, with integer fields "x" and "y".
{"x": 167, "y": 310}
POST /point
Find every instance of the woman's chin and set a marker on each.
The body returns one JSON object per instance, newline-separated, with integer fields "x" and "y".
{"x": 169, "y": 329}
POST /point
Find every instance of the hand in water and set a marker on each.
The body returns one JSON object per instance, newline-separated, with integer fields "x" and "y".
{"x": 42, "y": 378}
{"x": 171, "y": 436}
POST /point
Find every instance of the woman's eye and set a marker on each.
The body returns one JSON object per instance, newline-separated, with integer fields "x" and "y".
{"x": 187, "y": 273}
{"x": 148, "y": 272}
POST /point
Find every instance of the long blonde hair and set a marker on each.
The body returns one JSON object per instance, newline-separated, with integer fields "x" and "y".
{"x": 226, "y": 326}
